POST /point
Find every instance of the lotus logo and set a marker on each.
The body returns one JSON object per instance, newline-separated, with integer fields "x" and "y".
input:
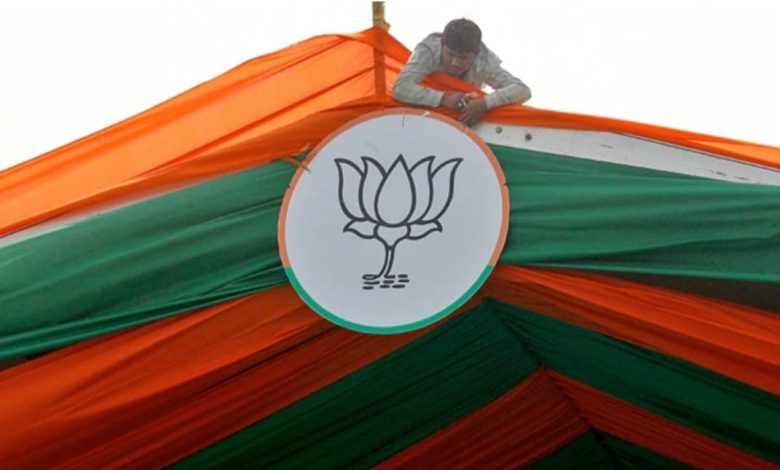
{"x": 392, "y": 240}
{"x": 395, "y": 204}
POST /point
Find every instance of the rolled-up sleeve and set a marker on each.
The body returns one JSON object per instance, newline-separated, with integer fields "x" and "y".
{"x": 407, "y": 88}
{"x": 507, "y": 88}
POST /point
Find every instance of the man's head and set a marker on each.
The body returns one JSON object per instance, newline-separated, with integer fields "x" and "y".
{"x": 460, "y": 44}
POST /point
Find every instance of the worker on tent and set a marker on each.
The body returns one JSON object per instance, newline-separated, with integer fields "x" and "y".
{"x": 459, "y": 52}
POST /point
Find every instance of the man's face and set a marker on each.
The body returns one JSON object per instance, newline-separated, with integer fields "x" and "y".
{"x": 456, "y": 63}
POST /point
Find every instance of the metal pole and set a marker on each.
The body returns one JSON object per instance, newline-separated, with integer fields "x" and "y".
{"x": 378, "y": 14}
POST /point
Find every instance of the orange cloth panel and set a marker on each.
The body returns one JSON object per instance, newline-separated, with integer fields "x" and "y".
{"x": 150, "y": 396}
{"x": 252, "y": 103}
{"x": 529, "y": 422}
{"x": 737, "y": 341}
{"x": 645, "y": 429}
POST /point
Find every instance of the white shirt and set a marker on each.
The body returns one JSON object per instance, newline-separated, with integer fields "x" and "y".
{"x": 486, "y": 69}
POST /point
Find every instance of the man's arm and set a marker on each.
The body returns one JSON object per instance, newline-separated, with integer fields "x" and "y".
{"x": 407, "y": 88}
{"x": 508, "y": 89}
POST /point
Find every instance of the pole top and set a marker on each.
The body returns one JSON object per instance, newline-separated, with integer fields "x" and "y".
{"x": 378, "y": 14}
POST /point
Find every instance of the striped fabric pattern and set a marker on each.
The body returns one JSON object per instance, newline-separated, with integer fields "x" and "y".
{"x": 147, "y": 322}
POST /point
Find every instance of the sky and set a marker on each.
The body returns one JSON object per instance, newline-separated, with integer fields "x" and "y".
{"x": 72, "y": 68}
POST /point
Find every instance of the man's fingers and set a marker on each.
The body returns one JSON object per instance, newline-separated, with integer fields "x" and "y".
{"x": 452, "y": 100}
{"x": 467, "y": 117}
{"x": 473, "y": 111}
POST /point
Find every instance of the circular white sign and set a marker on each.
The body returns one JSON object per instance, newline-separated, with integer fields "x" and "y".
{"x": 393, "y": 221}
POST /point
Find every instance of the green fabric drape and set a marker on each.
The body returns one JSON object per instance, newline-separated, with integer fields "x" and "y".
{"x": 215, "y": 241}
{"x": 182, "y": 251}
{"x": 387, "y": 406}
{"x": 633, "y": 457}
{"x": 585, "y": 452}
{"x": 397, "y": 400}
{"x": 730, "y": 411}
{"x": 575, "y": 213}
{"x": 598, "y": 450}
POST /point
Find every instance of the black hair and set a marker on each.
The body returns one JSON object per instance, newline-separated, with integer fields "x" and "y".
{"x": 462, "y": 35}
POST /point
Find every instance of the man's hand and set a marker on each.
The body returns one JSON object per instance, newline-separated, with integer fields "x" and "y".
{"x": 454, "y": 101}
{"x": 473, "y": 111}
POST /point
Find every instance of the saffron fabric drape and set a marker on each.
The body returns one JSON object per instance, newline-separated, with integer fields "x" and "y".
{"x": 241, "y": 110}
{"x": 153, "y": 395}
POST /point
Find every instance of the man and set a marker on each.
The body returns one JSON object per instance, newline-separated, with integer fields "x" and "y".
{"x": 459, "y": 52}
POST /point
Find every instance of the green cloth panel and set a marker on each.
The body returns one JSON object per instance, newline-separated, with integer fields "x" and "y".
{"x": 633, "y": 457}
{"x": 709, "y": 403}
{"x": 193, "y": 248}
{"x": 585, "y": 452}
{"x": 216, "y": 241}
{"x": 575, "y": 213}
{"x": 596, "y": 450}
{"x": 386, "y": 406}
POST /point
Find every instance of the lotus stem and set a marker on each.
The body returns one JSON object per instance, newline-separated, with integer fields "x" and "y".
{"x": 390, "y": 257}
{"x": 386, "y": 266}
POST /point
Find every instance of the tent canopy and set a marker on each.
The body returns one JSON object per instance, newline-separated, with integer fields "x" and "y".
{"x": 167, "y": 333}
